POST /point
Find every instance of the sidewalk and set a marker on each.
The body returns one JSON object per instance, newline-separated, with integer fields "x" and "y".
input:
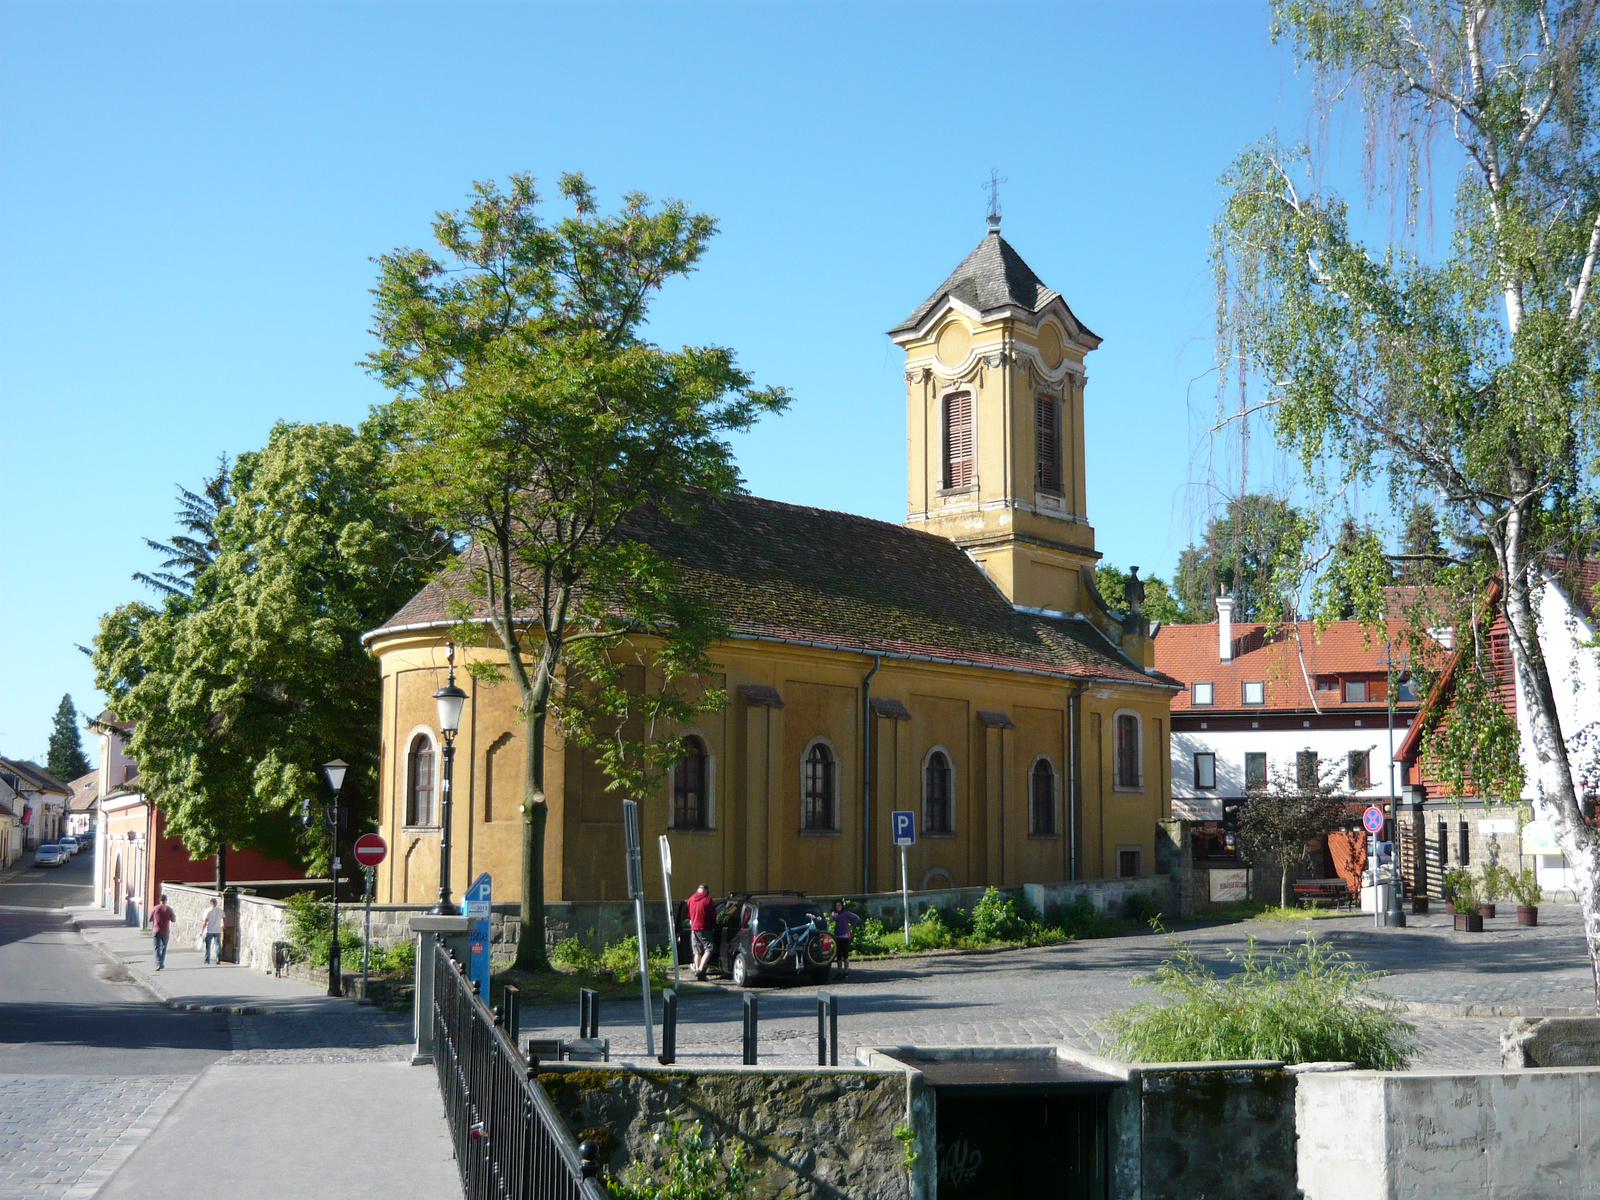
{"x": 317, "y": 1099}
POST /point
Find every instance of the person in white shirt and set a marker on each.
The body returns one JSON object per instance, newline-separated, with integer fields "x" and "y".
{"x": 211, "y": 928}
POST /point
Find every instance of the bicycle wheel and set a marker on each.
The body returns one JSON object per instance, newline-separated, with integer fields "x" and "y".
{"x": 819, "y": 950}
{"x": 769, "y": 948}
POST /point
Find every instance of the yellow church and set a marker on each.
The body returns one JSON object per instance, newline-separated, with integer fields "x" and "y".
{"x": 961, "y": 665}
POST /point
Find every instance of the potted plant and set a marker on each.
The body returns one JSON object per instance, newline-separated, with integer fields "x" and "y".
{"x": 1494, "y": 886}
{"x": 1460, "y": 888}
{"x": 1525, "y": 887}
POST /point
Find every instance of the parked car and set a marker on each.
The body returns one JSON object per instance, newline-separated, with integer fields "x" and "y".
{"x": 50, "y": 855}
{"x": 70, "y": 844}
{"x": 749, "y": 921}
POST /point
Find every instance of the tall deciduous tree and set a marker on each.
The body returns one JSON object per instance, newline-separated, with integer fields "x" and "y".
{"x": 66, "y": 759}
{"x": 1472, "y": 374}
{"x": 1299, "y": 804}
{"x": 536, "y": 422}
{"x": 242, "y": 686}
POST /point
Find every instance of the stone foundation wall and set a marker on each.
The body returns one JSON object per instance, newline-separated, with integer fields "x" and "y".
{"x": 820, "y": 1133}
{"x": 1551, "y": 1042}
{"x": 190, "y": 903}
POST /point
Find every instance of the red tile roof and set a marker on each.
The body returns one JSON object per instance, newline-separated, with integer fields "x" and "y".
{"x": 1344, "y": 648}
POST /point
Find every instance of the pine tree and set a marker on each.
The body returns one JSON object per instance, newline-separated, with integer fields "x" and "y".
{"x": 67, "y": 760}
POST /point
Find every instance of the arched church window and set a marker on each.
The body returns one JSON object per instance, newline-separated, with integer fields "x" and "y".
{"x": 1042, "y": 800}
{"x": 419, "y": 781}
{"x": 1047, "y": 441}
{"x": 689, "y": 808}
{"x": 936, "y": 804}
{"x": 958, "y": 471}
{"x": 817, "y": 805}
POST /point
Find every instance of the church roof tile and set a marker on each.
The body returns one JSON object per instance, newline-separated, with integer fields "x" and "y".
{"x": 791, "y": 573}
{"x": 992, "y": 276}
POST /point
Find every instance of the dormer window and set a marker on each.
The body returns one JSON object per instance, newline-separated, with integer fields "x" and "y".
{"x": 958, "y": 457}
{"x": 1355, "y": 691}
{"x": 1254, "y": 692}
{"x": 1047, "y": 441}
{"x": 1202, "y": 695}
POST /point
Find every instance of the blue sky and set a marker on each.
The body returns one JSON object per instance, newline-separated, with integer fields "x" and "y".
{"x": 191, "y": 195}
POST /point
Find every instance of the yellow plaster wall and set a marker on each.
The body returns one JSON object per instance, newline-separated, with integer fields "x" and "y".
{"x": 756, "y": 755}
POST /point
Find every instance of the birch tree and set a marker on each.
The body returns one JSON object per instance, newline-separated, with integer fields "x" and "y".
{"x": 1469, "y": 374}
{"x": 537, "y": 423}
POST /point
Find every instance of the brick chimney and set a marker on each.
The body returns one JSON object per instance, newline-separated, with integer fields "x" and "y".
{"x": 1225, "y": 627}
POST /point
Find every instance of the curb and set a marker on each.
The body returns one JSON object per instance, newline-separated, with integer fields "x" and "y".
{"x": 1428, "y": 1008}
{"x": 156, "y": 993}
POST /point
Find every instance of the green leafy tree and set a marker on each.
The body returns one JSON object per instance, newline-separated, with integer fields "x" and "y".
{"x": 194, "y": 548}
{"x": 539, "y": 426}
{"x": 66, "y": 759}
{"x": 1355, "y": 576}
{"x": 1159, "y": 602}
{"x": 1471, "y": 374}
{"x": 1298, "y": 805}
{"x": 240, "y": 688}
{"x": 1253, "y": 549}
{"x": 1422, "y": 551}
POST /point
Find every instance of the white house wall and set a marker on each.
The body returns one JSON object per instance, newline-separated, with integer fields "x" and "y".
{"x": 1281, "y": 746}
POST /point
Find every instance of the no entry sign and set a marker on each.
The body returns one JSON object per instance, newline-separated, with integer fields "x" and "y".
{"x": 371, "y": 849}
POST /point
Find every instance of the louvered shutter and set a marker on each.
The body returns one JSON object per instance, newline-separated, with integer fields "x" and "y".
{"x": 957, "y": 440}
{"x": 1047, "y": 443}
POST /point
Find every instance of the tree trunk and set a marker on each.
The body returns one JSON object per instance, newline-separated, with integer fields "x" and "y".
{"x": 535, "y": 813}
{"x": 222, "y": 867}
{"x": 1283, "y": 889}
{"x": 1578, "y": 841}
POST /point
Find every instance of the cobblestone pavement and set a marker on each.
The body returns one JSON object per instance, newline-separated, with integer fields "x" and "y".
{"x": 1061, "y": 994}
{"x": 354, "y": 1035}
{"x": 63, "y": 1137}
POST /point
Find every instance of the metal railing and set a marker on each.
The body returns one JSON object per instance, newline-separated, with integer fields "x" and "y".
{"x": 510, "y": 1143}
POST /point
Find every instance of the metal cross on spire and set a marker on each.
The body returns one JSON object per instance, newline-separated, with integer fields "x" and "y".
{"x": 993, "y": 188}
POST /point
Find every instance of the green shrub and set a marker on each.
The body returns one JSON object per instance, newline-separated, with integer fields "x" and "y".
{"x": 1495, "y": 879}
{"x": 402, "y": 956}
{"x": 693, "y": 1170}
{"x": 956, "y": 919}
{"x": 1303, "y": 1003}
{"x": 870, "y": 938}
{"x": 620, "y": 960}
{"x": 1144, "y": 908}
{"x": 574, "y": 955}
{"x": 310, "y": 922}
{"x": 931, "y": 933}
{"x": 1525, "y": 887}
{"x": 1078, "y": 919}
{"x": 1460, "y": 890}
{"x": 995, "y": 919}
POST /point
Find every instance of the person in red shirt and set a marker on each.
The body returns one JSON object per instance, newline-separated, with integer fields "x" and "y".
{"x": 702, "y": 920}
{"x": 161, "y": 919}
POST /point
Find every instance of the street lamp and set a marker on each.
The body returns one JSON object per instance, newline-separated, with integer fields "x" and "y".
{"x": 450, "y": 699}
{"x": 335, "y": 771}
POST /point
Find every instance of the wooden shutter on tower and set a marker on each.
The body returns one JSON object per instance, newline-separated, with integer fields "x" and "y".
{"x": 1047, "y": 442}
{"x": 957, "y": 439}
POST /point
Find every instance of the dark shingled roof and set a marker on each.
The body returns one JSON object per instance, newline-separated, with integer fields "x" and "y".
{"x": 835, "y": 579}
{"x": 992, "y": 276}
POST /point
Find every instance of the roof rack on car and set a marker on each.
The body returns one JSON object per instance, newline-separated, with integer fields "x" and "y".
{"x": 768, "y": 892}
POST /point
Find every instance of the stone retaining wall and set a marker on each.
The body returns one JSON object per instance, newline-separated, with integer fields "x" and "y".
{"x": 190, "y": 903}
{"x": 821, "y": 1133}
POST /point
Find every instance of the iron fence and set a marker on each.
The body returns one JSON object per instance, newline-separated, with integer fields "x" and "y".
{"x": 510, "y": 1143}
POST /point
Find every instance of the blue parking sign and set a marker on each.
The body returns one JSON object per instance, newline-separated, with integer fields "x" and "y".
{"x": 905, "y": 827}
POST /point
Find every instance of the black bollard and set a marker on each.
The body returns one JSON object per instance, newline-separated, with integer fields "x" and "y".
{"x": 827, "y": 1029}
{"x": 511, "y": 1002}
{"x": 750, "y": 1029}
{"x": 588, "y": 1013}
{"x": 669, "y": 1028}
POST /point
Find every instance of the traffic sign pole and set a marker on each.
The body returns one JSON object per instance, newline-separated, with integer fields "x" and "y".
{"x": 904, "y": 826}
{"x": 672, "y": 927}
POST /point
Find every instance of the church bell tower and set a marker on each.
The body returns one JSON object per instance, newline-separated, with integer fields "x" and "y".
{"x": 994, "y": 423}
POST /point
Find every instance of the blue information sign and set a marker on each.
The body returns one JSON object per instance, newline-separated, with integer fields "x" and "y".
{"x": 904, "y": 824}
{"x": 476, "y": 909}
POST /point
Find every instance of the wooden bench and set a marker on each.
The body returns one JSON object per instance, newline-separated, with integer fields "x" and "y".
{"x": 1336, "y": 891}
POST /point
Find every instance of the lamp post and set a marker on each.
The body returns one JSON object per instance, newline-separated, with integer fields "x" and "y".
{"x": 450, "y": 699}
{"x": 335, "y": 772}
{"x": 1395, "y": 918}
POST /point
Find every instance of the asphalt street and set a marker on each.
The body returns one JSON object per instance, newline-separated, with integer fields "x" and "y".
{"x": 66, "y": 1010}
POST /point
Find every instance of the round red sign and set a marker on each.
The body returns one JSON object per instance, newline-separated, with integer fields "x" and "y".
{"x": 371, "y": 849}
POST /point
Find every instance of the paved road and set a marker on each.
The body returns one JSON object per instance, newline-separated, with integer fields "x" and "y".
{"x": 106, "y": 1092}
{"x": 1061, "y": 994}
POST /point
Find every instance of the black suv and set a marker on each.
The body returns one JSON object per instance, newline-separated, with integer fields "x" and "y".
{"x": 744, "y": 917}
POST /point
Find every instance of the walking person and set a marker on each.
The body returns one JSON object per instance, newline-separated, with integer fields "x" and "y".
{"x": 161, "y": 919}
{"x": 211, "y": 930}
{"x": 844, "y": 925}
{"x": 702, "y": 920}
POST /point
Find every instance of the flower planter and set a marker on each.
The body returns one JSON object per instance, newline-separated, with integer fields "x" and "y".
{"x": 1527, "y": 915}
{"x": 1469, "y": 923}
{"x": 1486, "y": 910}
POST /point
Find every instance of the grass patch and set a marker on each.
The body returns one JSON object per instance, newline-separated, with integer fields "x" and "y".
{"x": 999, "y": 920}
{"x": 1303, "y": 1003}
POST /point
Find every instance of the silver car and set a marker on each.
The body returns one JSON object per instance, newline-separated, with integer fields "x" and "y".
{"x": 50, "y": 855}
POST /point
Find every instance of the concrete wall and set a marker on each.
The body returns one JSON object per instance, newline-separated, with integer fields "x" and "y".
{"x": 1216, "y": 1130}
{"x": 820, "y": 1133}
{"x": 1524, "y": 1134}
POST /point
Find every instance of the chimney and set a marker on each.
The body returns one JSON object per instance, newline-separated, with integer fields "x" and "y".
{"x": 1225, "y": 627}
